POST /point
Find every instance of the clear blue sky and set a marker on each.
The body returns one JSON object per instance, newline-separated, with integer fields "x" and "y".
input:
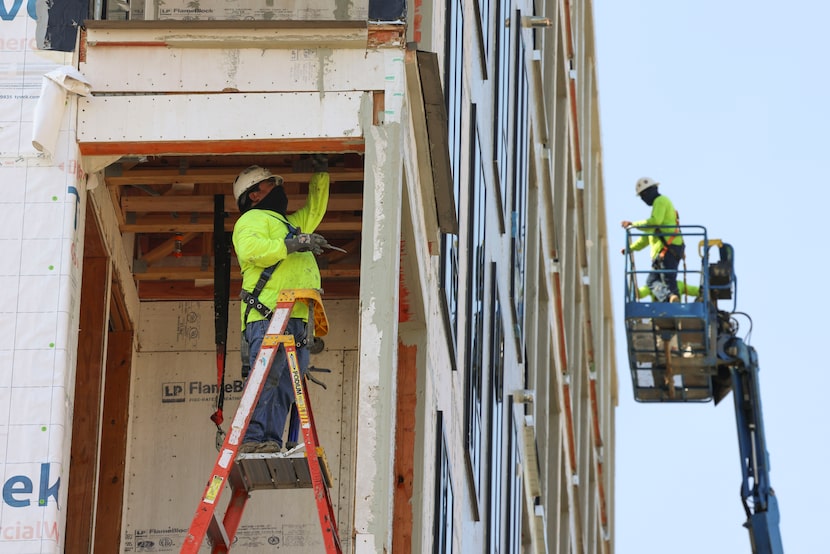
{"x": 726, "y": 105}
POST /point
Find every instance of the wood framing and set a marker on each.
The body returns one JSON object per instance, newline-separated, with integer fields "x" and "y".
{"x": 405, "y": 451}
{"x": 94, "y": 315}
{"x": 114, "y": 423}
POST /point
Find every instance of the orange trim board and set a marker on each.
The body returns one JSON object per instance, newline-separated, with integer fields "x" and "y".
{"x": 142, "y": 148}
{"x": 99, "y": 43}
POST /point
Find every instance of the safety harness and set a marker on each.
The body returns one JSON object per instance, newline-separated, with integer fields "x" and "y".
{"x": 668, "y": 243}
{"x": 251, "y": 299}
{"x": 252, "y": 302}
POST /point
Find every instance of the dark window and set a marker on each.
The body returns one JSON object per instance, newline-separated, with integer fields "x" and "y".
{"x": 443, "y": 493}
{"x": 485, "y": 29}
{"x": 514, "y": 487}
{"x": 475, "y": 308}
{"x": 518, "y": 214}
{"x": 449, "y": 286}
{"x": 484, "y": 14}
{"x": 111, "y": 10}
{"x": 495, "y": 537}
{"x": 503, "y": 77}
{"x": 453, "y": 75}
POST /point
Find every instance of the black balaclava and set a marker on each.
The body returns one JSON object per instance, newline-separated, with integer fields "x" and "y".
{"x": 649, "y": 195}
{"x": 276, "y": 201}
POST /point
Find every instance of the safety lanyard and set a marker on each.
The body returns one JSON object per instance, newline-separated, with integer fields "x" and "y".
{"x": 667, "y": 243}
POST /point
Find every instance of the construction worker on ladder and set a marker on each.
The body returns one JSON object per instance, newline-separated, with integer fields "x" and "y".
{"x": 663, "y": 234}
{"x": 275, "y": 252}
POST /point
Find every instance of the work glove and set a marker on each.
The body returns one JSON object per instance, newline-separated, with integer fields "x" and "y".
{"x": 319, "y": 163}
{"x": 315, "y": 163}
{"x": 305, "y": 242}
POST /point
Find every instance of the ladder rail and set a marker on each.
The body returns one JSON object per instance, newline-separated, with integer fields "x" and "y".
{"x": 204, "y": 521}
{"x": 233, "y": 517}
{"x": 205, "y": 512}
{"x": 313, "y": 452}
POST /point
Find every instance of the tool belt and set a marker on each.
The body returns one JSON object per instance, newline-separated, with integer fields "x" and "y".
{"x": 677, "y": 250}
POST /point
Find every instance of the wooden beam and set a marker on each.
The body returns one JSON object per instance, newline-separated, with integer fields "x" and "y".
{"x": 195, "y": 273}
{"x": 260, "y": 146}
{"x": 346, "y": 202}
{"x": 196, "y": 223}
{"x": 93, "y": 242}
{"x": 221, "y": 175}
{"x": 83, "y": 470}
{"x": 189, "y": 290}
{"x": 114, "y": 423}
{"x": 119, "y": 315}
{"x": 404, "y": 465}
{"x": 100, "y": 206}
{"x": 166, "y": 248}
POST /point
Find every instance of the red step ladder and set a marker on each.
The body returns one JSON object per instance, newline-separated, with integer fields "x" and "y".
{"x": 301, "y": 467}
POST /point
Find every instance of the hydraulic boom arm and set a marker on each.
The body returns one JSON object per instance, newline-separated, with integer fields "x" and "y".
{"x": 757, "y": 495}
{"x": 689, "y": 351}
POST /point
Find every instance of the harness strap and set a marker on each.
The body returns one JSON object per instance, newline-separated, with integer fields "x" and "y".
{"x": 251, "y": 299}
{"x": 676, "y": 234}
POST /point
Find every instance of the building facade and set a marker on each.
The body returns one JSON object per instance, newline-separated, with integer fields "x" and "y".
{"x": 470, "y": 385}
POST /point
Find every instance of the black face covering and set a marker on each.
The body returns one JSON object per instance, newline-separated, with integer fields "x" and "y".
{"x": 649, "y": 195}
{"x": 276, "y": 201}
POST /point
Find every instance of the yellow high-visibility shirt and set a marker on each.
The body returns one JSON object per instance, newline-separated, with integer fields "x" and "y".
{"x": 259, "y": 242}
{"x": 664, "y": 216}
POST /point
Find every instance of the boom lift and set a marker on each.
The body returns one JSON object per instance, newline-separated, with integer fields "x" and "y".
{"x": 691, "y": 352}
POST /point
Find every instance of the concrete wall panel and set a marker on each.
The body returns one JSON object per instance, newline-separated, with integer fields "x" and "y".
{"x": 218, "y": 117}
{"x": 240, "y": 69}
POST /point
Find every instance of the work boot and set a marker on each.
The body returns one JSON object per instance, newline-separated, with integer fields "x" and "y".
{"x": 674, "y": 298}
{"x": 269, "y": 447}
{"x": 249, "y": 447}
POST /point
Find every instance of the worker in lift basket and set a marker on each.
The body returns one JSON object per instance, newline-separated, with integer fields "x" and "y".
{"x": 663, "y": 234}
{"x": 275, "y": 252}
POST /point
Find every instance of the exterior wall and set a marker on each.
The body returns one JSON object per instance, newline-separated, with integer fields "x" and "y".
{"x": 41, "y": 244}
{"x": 513, "y": 383}
{"x": 250, "y": 9}
{"x": 553, "y": 412}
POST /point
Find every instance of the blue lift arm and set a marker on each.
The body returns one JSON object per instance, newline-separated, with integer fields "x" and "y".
{"x": 690, "y": 352}
{"x": 757, "y": 494}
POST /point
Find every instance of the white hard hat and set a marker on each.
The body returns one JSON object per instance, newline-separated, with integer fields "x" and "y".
{"x": 643, "y": 183}
{"x": 250, "y": 177}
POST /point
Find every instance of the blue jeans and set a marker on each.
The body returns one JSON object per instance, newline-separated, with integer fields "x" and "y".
{"x": 277, "y": 396}
{"x": 663, "y": 281}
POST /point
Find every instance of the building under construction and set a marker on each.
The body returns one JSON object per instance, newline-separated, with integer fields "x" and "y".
{"x": 469, "y": 376}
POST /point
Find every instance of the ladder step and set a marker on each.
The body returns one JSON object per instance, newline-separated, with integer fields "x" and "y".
{"x": 217, "y": 534}
{"x": 279, "y": 470}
